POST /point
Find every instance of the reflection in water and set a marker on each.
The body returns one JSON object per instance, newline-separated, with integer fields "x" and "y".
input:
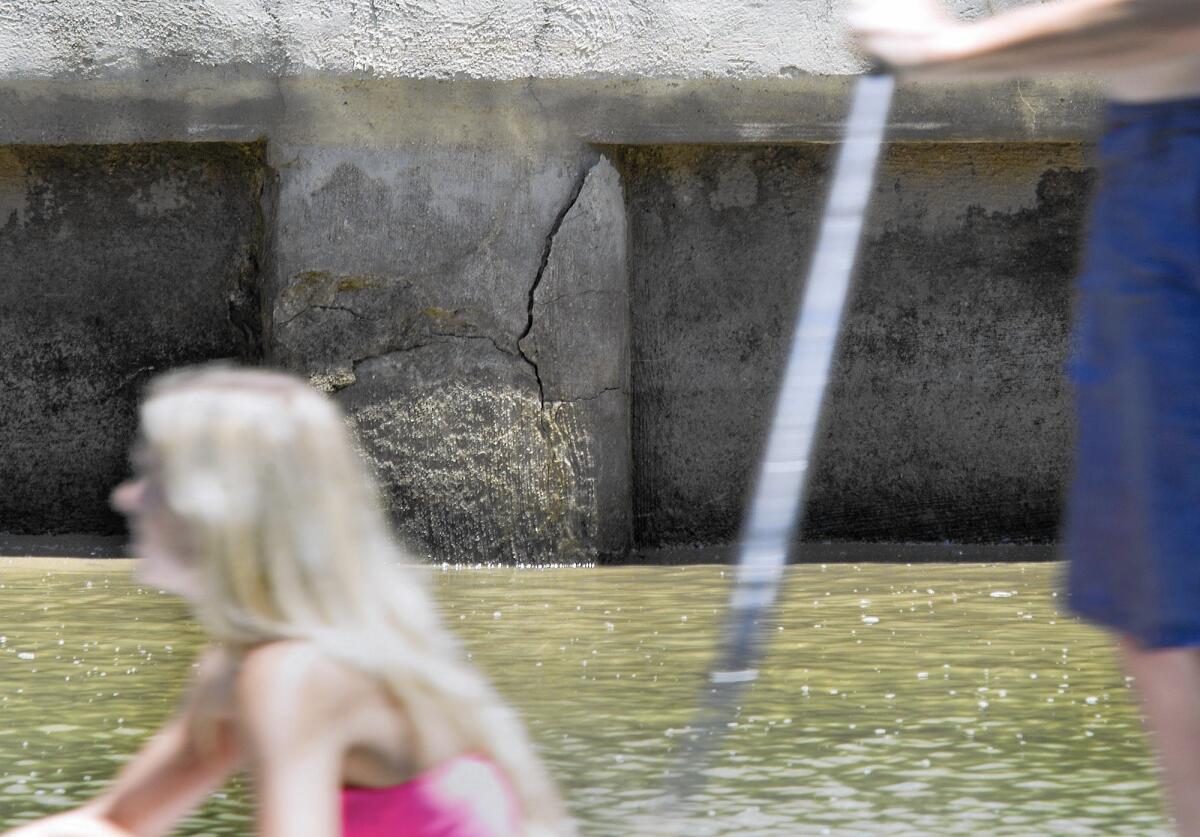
{"x": 948, "y": 699}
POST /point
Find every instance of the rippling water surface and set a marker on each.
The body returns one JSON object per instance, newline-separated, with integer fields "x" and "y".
{"x": 945, "y": 699}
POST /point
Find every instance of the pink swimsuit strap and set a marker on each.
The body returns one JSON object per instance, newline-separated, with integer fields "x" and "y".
{"x": 467, "y": 796}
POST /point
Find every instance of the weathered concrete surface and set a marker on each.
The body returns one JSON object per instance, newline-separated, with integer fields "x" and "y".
{"x": 947, "y": 416}
{"x": 449, "y": 249}
{"x": 118, "y": 262}
{"x": 577, "y": 340}
{"x": 239, "y": 104}
{"x": 380, "y": 251}
{"x": 471, "y": 38}
{"x": 577, "y": 333}
{"x": 405, "y": 281}
{"x": 474, "y": 465}
{"x": 349, "y": 72}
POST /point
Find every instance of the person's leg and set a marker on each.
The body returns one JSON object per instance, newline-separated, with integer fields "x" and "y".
{"x": 1132, "y": 530}
{"x": 1168, "y": 685}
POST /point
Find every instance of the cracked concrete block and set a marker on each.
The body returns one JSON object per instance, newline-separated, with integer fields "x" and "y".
{"x": 381, "y": 251}
{"x": 404, "y": 281}
{"x": 474, "y": 468}
{"x": 119, "y": 262}
{"x": 578, "y": 339}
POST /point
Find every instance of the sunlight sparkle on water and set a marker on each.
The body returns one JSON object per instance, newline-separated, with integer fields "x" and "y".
{"x": 877, "y": 743}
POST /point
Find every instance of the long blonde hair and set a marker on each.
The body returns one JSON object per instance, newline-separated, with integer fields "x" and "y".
{"x": 286, "y": 528}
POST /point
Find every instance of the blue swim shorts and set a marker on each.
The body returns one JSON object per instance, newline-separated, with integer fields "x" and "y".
{"x": 1132, "y": 533}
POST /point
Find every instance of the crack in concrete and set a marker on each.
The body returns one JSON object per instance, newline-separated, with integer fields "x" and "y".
{"x": 486, "y": 337}
{"x": 1033, "y": 117}
{"x": 591, "y": 397}
{"x": 443, "y": 338}
{"x": 309, "y": 308}
{"x": 547, "y": 250}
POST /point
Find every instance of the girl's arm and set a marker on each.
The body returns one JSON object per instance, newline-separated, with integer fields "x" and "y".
{"x": 1065, "y": 36}
{"x": 292, "y": 717}
{"x": 170, "y": 776}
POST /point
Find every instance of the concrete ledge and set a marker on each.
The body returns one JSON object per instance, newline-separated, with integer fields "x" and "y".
{"x": 237, "y": 104}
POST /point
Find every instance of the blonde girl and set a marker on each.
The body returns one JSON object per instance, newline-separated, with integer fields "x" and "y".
{"x": 330, "y": 679}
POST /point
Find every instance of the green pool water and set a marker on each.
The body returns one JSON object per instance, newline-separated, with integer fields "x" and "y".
{"x": 936, "y": 699}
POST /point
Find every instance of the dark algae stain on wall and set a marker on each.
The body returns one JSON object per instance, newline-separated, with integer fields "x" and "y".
{"x": 116, "y": 262}
{"x": 947, "y": 416}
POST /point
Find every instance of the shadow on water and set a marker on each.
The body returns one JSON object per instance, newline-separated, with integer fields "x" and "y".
{"x": 933, "y": 698}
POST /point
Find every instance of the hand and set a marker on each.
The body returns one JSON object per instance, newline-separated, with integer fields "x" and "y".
{"x": 905, "y": 33}
{"x": 70, "y": 824}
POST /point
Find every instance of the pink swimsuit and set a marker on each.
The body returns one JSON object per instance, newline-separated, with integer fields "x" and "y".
{"x": 467, "y": 796}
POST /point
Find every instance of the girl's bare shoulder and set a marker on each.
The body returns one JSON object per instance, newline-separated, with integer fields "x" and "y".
{"x": 292, "y": 688}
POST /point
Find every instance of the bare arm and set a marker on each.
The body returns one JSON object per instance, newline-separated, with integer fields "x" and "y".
{"x": 169, "y": 778}
{"x": 1064, "y": 36}
{"x": 172, "y": 774}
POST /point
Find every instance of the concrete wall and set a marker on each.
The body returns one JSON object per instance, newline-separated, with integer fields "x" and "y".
{"x": 947, "y": 418}
{"x": 442, "y": 237}
{"x": 116, "y": 262}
